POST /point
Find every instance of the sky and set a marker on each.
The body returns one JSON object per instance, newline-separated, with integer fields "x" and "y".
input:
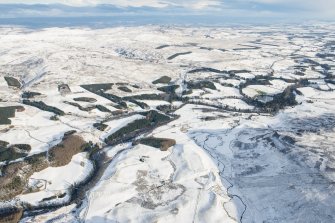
{"x": 253, "y": 9}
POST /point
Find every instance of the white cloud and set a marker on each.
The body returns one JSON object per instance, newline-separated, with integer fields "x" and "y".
{"x": 196, "y": 4}
{"x": 316, "y": 8}
{"x": 328, "y": 5}
{"x": 284, "y": 8}
{"x": 66, "y": 2}
{"x": 133, "y": 3}
{"x": 159, "y": 3}
{"x": 310, "y": 4}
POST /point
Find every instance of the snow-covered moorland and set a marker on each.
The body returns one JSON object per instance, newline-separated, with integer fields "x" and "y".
{"x": 167, "y": 124}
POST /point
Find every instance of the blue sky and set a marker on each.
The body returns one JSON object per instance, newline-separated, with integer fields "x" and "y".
{"x": 257, "y": 9}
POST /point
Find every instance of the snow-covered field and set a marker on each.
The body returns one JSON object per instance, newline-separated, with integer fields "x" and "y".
{"x": 251, "y": 111}
{"x": 54, "y": 181}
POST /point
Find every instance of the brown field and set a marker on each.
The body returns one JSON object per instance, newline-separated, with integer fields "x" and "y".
{"x": 61, "y": 154}
{"x": 14, "y": 176}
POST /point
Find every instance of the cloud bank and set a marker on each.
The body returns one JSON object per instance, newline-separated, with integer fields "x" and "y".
{"x": 283, "y": 9}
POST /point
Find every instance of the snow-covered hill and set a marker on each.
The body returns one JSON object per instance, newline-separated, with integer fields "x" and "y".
{"x": 168, "y": 124}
